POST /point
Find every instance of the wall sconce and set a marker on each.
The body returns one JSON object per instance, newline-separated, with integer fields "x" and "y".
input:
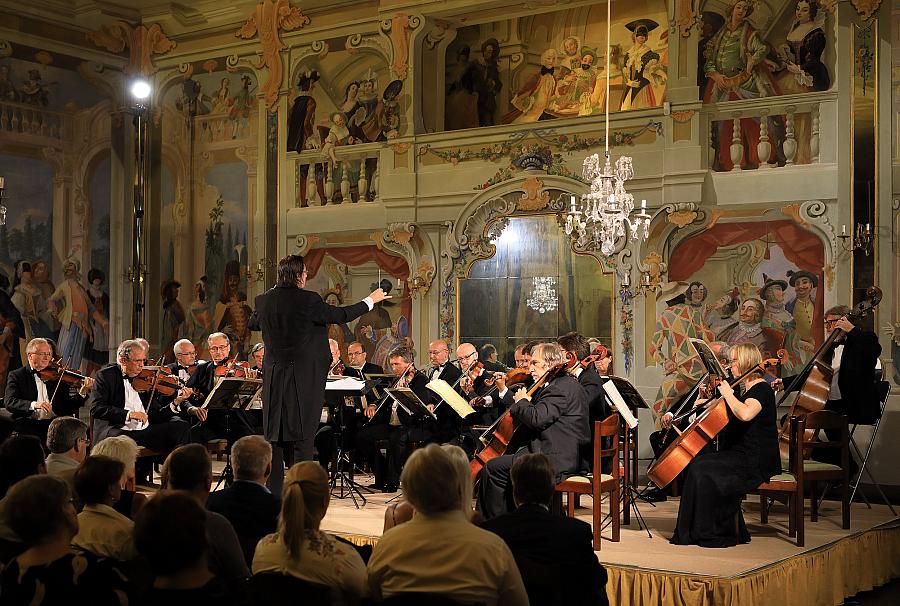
{"x": 136, "y": 276}
{"x": 261, "y": 266}
{"x": 863, "y": 240}
{"x": 415, "y": 285}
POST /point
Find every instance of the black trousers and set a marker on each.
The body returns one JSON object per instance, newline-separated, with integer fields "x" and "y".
{"x": 282, "y": 458}
{"x": 230, "y": 425}
{"x": 495, "y": 488}
{"x": 163, "y": 437}
{"x": 367, "y": 444}
{"x": 32, "y": 427}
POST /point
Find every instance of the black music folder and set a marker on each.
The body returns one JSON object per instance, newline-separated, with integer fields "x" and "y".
{"x": 232, "y": 393}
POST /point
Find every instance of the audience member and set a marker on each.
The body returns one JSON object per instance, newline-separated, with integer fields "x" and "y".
{"x": 124, "y": 449}
{"x": 102, "y": 530}
{"x": 48, "y": 572}
{"x": 20, "y": 457}
{"x": 170, "y": 534}
{"x": 189, "y": 468}
{"x": 68, "y": 445}
{"x": 440, "y": 551}
{"x": 555, "y": 554}
{"x": 250, "y": 507}
{"x": 299, "y": 548}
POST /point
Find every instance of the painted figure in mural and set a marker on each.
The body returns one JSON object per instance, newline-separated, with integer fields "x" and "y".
{"x": 11, "y": 331}
{"x": 303, "y": 113}
{"x": 388, "y": 342}
{"x": 736, "y": 69}
{"x": 232, "y": 314}
{"x": 641, "y": 64}
{"x": 569, "y": 59}
{"x": 710, "y": 24}
{"x": 778, "y": 324}
{"x": 803, "y": 311}
{"x": 536, "y": 94}
{"x": 41, "y": 274}
{"x": 71, "y": 305}
{"x": 351, "y": 104}
{"x": 33, "y": 90}
{"x": 192, "y": 102}
{"x": 339, "y": 332}
{"x": 222, "y": 99}
{"x": 97, "y": 354}
{"x": 719, "y": 314}
{"x": 338, "y": 135}
{"x": 390, "y": 126}
{"x": 29, "y": 300}
{"x": 173, "y": 319}
{"x": 682, "y": 319}
{"x": 461, "y": 109}
{"x": 746, "y": 330}
{"x": 8, "y": 90}
{"x": 199, "y": 323}
{"x": 804, "y": 71}
{"x": 370, "y": 122}
{"x": 241, "y": 107}
{"x": 487, "y": 82}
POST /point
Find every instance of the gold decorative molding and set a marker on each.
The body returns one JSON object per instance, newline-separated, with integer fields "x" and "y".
{"x": 683, "y": 116}
{"x": 401, "y": 234}
{"x": 399, "y": 25}
{"x": 400, "y": 148}
{"x": 653, "y": 266}
{"x": 684, "y": 17}
{"x": 829, "y": 276}
{"x": 267, "y": 21}
{"x": 681, "y": 218}
{"x": 533, "y": 198}
{"x": 793, "y": 211}
{"x": 866, "y": 8}
{"x": 142, "y": 42}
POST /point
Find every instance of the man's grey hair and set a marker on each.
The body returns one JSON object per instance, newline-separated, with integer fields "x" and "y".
{"x": 64, "y": 432}
{"x": 120, "y": 448}
{"x": 123, "y": 352}
{"x": 427, "y": 496}
{"x": 250, "y": 456}
{"x": 256, "y": 348}
{"x": 180, "y": 344}
{"x": 218, "y": 335}
{"x": 32, "y": 345}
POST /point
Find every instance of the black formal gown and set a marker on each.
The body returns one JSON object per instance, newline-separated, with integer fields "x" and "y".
{"x": 709, "y": 514}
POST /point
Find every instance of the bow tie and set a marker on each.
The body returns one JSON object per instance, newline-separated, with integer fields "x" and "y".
{"x": 35, "y": 372}
{"x": 546, "y": 70}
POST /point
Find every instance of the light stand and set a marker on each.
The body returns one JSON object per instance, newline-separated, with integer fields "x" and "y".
{"x": 140, "y": 94}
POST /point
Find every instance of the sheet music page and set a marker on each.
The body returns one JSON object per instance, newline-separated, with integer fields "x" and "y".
{"x": 345, "y": 383}
{"x": 616, "y": 398}
{"x": 453, "y": 399}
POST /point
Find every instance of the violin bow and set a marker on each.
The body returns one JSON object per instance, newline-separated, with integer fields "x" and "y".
{"x": 62, "y": 369}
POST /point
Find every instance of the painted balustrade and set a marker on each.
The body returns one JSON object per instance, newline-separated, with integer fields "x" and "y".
{"x": 33, "y": 120}
{"x": 351, "y": 177}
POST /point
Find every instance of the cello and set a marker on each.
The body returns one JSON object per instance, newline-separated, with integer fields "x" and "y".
{"x": 817, "y": 375}
{"x": 698, "y": 434}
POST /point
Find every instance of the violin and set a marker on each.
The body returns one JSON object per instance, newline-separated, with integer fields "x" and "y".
{"x": 337, "y": 368}
{"x": 235, "y": 369}
{"x": 467, "y": 380}
{"x": 515, "y": 376}
{"x": 57, "y": 371}
{"x": 157, "y": 378}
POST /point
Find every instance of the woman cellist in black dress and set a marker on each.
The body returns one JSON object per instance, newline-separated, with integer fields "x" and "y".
{"x": 709, "y": 514}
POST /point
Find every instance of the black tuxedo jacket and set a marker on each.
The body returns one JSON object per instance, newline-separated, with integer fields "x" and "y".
{"x": 251, "y": 509}
{"x": 553, "y": 553}
{"x": 201, "y": 381}
{"x": 448, "y": 422}
{"x": 108, "y": 403}
{"x": 556, "y": 420}
{"x": 383, "y": 414}
{"x": 21, "y": 391}
{"x": 294, "y": 324}
{"x": 856, "y": 378}
{"x": 592, "y": 383}
{"x": 367, "y": 369}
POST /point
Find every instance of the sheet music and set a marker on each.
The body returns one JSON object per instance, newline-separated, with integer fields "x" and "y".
{"x": 616, "y": 398}
{"x": 345, "y": 384}
{"x": 453, "y": 399}
{"x": 707, "y": 357}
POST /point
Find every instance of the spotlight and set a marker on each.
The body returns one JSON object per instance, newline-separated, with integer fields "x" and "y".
{"x": 140, "y": 89}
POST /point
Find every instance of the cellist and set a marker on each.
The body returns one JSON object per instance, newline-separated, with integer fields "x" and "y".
{"x": 555, "y": 420}
{"x": 853, "y": 358}
{"x": 715, "y": 482}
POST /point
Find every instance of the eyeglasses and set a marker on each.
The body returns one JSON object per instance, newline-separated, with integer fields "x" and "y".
{"x": 468, "y": 355}
{"x": 187, "y": 353}
{"x": 355, "y": 353}
{"x": 37, "y": 354}
{"x": 830, "y": 322}
{"x": 434, "y": 352}
{"x": 138, "y": 361}
{"x": 219, "y": 348}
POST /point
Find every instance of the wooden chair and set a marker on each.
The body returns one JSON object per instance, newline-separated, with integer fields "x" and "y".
{"x": 596, "y": 483}
{"x": 790, "y": 483}
{"x": 814, "y": 471}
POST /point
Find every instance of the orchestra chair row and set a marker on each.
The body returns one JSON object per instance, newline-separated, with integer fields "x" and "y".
{"x": 800, "y": 469}
{"x": 597, "y": 483}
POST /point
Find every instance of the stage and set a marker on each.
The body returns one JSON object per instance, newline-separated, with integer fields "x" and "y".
{"x": 771, "y": 569}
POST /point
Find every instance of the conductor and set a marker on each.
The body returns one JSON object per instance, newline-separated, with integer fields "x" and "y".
{"x": 294, "y": 324}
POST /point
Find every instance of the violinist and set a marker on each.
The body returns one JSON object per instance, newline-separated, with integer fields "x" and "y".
{"x": 555, "y": 420}
{"x": 853, "y": 357}
{"x": 390, "y": 422}
{"x": 475, "y": 385}
{"x": 577, "y": 347}
{"x": 715, "y": 482}
{"x": 30, "y": 389}
{"x": 188, "y": 399}
{"x": 119, "y": 409}
{"x": 359, "y": 366}
{"x": 257, "y": 354}
{"x": 447, "y": 426}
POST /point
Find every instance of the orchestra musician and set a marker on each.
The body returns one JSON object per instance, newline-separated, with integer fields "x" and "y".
{"x": 555, "y": 419}
{"x": 294, "y": 324}
{"x": 577, "y": 347}
{"x": 257, "y": 354}
{"x": 447, "y": 426}
{"x": 391, "y": 422}
{"x": 715, "y": 482}
{"x": 28, "y": 395}
{"x": 853, "y": 358}
{"x": 359, "y": 366}
{"x": 119, "y": 409}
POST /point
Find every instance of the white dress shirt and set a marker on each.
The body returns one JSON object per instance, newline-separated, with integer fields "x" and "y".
{"x": 42, "y": 396}
{"x": 133, "y": 403}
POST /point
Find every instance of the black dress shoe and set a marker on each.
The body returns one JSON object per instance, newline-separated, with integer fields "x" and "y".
{"x": 655, "y": 495}
{"x": 389, "y": 488}
{"x": 376, "y": 486}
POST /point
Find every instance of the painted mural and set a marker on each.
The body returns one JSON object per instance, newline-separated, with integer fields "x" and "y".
{"x": 758, "y": 282}
{"x": 563, "y": 74}
{"x": 210, "y": 127}
{"x": 748, "y": 52}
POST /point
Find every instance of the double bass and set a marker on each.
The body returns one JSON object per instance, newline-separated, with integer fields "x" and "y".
{"x": 698, "y": 434}
{"x": 817, "y": 375}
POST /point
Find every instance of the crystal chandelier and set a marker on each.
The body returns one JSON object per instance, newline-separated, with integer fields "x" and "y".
{"x": 599, "y": 221}
{"x": 543, "y": 296}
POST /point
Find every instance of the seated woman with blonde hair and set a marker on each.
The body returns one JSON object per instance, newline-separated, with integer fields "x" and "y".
{"x": 124, "y": 449}
{"x": 298, "y": 548}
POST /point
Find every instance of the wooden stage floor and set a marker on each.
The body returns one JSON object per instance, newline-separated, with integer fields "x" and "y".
{"x": 644, "y": 569}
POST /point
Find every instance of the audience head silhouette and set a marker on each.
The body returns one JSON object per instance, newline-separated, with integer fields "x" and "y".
{"x": 251, "y": 457}
{"x": 20, "y": 457}
{"x": 188, "y": 468}
{"x": 304, "y": 500}
{"x": 425, "y": 494}
{"x": 99, "y": 480}
{"x": 532, "y": 479}
{"x": 39, "y": 510}
{"x": 170, "y": 531}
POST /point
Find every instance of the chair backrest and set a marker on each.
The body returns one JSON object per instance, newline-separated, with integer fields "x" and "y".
{"x": 276, "y": 589}
{"x": 823, "y": 419}
{"x": 607, "y": 428}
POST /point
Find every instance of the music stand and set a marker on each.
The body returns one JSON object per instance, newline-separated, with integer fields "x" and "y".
{"x": 622, "y": 397}
{"x": 231, "y": 394}
{"x": 336, "y": 391}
